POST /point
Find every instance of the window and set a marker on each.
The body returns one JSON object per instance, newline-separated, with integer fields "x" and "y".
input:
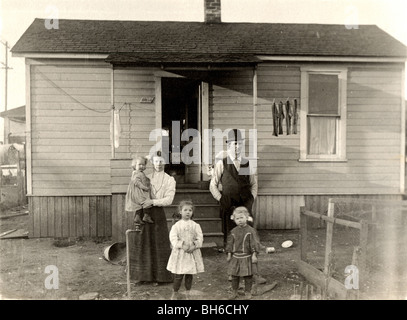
{"x": 323, "y": 114}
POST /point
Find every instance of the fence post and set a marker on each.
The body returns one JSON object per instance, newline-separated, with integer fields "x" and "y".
{"x": 328, "y": 248}
{"x": 303, "y": 234}
{"x": 363, "y": 243}
{"x": 329, "y": 236}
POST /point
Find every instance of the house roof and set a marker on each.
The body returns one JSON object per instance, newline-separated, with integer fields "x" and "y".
{"x": 156, "y": 41}
{"x": 14, "y": 114}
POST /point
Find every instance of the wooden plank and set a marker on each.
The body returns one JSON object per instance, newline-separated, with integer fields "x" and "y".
{"x": 51, "y": 216}
{"x": 124, "y": 217}
{"x": 86, "y": 217}
{"x": 108, "y": 216}
{"x": 336, "y": 289}
{"x": 72, "y": 192}
{"x": 363, "y": 243}
{"x": 75, "y": 127}
{"x": 114, "y": 217}
{"x": 332, "y": 220}
{"x": 31, "y": 216}
{"x": 60, "y": 71}
{"x": 58, "y": 216}
{"x": 39, "y": 135}
{"x": 65, "y": 184}
{"x": 289, "y": 212}
{"x": 71, "y": 156}
{"x": 28, "y": 108}
{"x": 92, "y": 216}
{"x": 282, "y": 211}
{"x": 71, "y": 177}
{"x": 71, "y": 98}
{"x": 65, "y": 216}
{"x": 72, "y": 216}
{"x": 79, "y": 216}
{"x": 303, "y": 235}
{"x": 43, "y": 216}
{"x": 100, "y": 216}
{"x": 77, "y": 92}
{"x": 329, "y": 238}
{"x": 119, "y": 215}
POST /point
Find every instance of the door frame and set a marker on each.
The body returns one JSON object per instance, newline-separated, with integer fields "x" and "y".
{"x": 203, "y": 110}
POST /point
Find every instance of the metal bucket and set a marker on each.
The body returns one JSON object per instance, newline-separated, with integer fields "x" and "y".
{"x": 115, "y": 253}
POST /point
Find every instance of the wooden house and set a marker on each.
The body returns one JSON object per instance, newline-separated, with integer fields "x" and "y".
{"x": 96, "y": 90}
{"x": 14, "y": 125}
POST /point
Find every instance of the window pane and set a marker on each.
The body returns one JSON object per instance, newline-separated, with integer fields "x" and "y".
{"x": 321, "y": 135}
{"x": 323, "y": 94}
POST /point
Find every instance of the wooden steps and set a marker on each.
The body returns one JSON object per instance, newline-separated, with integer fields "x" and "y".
{"x": 206, "y": 212}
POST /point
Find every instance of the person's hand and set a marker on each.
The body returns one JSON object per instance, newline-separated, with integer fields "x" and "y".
{"x": 229, "y": 257}
{"x": 185, "y": 246}
{"x": 254, "y": 258}
{"x": 191, "y": 248}
{"x": 148, "y": 203}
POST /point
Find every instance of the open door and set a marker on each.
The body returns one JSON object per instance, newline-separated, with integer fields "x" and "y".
{"x": 184, "y": 106}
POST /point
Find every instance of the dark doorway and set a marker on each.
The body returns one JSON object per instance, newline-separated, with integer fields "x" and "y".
{"x": 180, "y": 98}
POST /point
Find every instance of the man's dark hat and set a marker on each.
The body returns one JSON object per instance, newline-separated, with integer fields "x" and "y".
{"x": 234, "y": 135}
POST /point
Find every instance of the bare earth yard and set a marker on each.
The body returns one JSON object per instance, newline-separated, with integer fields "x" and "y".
{"x": 83, "y": 273}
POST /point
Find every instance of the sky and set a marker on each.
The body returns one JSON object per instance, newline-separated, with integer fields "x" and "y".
{"x": 17, "y": 15}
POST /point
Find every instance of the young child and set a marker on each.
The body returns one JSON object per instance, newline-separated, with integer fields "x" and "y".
{"x": 242, "y": 249}
{"x": 138, "y": 192}
{"x": 186, "y": 240}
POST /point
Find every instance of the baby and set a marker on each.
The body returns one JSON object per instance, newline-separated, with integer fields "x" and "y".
{"x": 138, "y": 192}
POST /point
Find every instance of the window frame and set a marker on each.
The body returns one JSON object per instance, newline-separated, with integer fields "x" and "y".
{"x": 342, "y": 74}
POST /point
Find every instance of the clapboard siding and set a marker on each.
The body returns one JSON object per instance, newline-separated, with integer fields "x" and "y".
{"x": 62, "y": 217}
{"x": 373, "y": 136}
{"x": 70, "y": 123}
{"x": 137, "y": 119}
{"x": 231, "y": 104}
{"x": 121, "y": 174}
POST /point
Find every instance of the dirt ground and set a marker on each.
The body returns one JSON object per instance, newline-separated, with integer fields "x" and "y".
{"x": 84, "y": 274}
{"x": 82, "y": 269}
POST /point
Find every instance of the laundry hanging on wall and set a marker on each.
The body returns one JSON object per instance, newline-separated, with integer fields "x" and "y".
{"x": 289, "y": 113}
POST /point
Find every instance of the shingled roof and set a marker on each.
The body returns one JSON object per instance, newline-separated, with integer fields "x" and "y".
{"x": 202, "y": 42}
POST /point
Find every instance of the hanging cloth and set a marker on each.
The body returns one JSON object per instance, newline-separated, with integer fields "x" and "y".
{"x": 275, "y": 119}
{"x": 288, "y": 116}
{"x": 115, "y": 129}
{"x": 295, "y": 114}
{"x": 280, "y": 118}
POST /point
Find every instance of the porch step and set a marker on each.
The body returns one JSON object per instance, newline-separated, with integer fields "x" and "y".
{"x": 201, "y": 211}
{"x": 206, "y": 212}
{"x": 195, "y": 195}
{"x": 208, "y": 225}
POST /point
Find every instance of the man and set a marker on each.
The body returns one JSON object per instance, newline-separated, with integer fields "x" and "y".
{"x": 239, "y": 184}
{"x": 239, "y": 187}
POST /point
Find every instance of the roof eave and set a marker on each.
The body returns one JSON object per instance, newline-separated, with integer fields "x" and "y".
{"x": 313, "y": 58}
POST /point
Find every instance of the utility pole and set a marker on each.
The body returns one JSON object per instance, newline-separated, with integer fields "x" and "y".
{"x": 6, "y": 67}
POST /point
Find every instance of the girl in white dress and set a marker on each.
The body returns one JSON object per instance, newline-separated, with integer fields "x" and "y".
{"x": 186, "y": 239}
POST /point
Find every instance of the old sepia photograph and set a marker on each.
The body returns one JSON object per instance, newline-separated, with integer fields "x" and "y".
{"x": 216, "y": 152}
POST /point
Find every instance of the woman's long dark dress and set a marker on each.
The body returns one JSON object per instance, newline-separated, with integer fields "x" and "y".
{"x": 150, "y": 248}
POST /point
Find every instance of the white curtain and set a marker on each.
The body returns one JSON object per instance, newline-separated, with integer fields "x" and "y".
{"x": 322, "y": 135}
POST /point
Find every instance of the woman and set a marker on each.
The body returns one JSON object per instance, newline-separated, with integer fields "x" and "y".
{"x": 152, "y": 249}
